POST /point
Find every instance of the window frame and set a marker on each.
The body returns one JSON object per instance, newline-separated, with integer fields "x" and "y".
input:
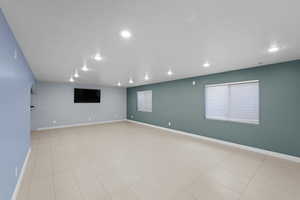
{"x": 137, "y": 100}
{"x": 254, "y": 122}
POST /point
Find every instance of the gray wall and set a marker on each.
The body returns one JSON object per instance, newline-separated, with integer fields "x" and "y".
{"x": 183, "y": 104}
{"x": 55, "y": 102}
{"x": 16, "y": 79}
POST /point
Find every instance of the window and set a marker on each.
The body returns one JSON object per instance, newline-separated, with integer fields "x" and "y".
{"x": 237, "y": 102}
{"x": 144, "y": 99}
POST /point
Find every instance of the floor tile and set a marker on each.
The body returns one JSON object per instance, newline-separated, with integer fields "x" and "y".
{"x": 66, "y": 187}
{"x": 135, "y": 162}
{"x": 205, "y": 188}
{"x": 42, "y": 189}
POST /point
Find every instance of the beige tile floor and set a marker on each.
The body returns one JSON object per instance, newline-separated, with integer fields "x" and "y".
{"x": 134, "y": 162}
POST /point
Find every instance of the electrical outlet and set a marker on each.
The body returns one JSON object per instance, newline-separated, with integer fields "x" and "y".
{"x": 194, "y": 82}
{"x": 16, "y": 171}
{"x": 169, "y": 124}
{"x": 131, "y": 116}
{"x": 54, "y": 121}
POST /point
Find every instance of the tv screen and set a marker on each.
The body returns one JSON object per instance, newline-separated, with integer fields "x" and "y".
{"x": 86, "y": 95}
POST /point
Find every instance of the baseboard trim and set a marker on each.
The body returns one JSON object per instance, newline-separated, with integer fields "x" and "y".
{"x": 76, "y": 125}
{"x": 244, "y": 147}
{"x": 17, "y": 188}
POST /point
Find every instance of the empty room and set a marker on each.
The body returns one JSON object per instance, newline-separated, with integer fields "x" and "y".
{"x": 149, "y": 100}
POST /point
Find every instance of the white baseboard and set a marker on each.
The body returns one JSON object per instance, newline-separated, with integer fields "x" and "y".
{"x": 81, "y": 124}
{"x": 17, "y": 188}
{"x": 244, "y": 147}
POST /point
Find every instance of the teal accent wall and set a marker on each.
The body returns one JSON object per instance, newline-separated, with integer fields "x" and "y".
{"x": 183, "y": 104}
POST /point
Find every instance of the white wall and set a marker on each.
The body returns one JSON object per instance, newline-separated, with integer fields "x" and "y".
{"x": 55, "y": 102}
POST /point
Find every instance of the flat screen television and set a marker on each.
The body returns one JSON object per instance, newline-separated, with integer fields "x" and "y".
{"x": 86, "y": 95}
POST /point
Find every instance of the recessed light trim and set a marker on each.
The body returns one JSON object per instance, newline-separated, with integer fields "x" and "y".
{"x": 206, "y": 64}
{"x": 98, "y": 57}
{"x": 85, "y": 68}
{"x": 119, "y": 84}
{"x": 126, "y": 34}
{"x": 76, "y": 75}
{"x": 170, "y": 73}
{"x": 71, "y": 79}
{"x": 130, "y": 81}
{"x": 146, "y": 77}
{"x": 273, "y": 49}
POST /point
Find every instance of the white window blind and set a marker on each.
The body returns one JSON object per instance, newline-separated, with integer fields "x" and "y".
{"x": 233, "y": 102}
{"x": 144, "y": 99}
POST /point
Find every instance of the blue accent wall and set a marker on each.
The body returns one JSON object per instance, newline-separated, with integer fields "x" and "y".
{"x": 16, "y": 80}
{"x": 183, "y": 104}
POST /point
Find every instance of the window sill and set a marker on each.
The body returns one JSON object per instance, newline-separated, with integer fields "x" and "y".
{"x": 235, "y": 120}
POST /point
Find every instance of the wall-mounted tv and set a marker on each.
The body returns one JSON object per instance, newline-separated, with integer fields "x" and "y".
{"x": 87, "y": 95}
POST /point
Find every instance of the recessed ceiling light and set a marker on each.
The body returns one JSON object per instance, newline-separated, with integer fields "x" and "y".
{"x": 71, "y": 79}
{"x": 98, "y": 57}
{"x": 206, "y": 64}
{"x": 146, "y": 77}
{"x": 170, "y": 73}
{"x": 119, "y": 84}
{"x": 126, "y": 34}
{"x": 130, "y": 81}
{"x": 76, "y": 75}
{"x": 273, "y": 49}
{"x": 84, "y": 68}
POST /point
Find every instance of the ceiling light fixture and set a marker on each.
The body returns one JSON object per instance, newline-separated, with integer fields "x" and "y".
{"x": 146, "y": 77}
{"x": 130, "y": 81}
{"x": 206, "y": 64}
{"x": 170, "y": 73}
{"x": 119, "y": 84}
{"x": 273, "y": 49}
{"x": 76, "y": 75}
{"x": 98, "y": 57}
{"x": 126, "y": 34}
{"x": 85, "y": 68}
{"x": 71, "y": 79}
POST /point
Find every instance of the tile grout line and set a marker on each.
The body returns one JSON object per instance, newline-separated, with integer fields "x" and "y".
{"x": 76, "y": 182}
{"x": 102, "y": 184}
{"x": 52, "y": 171}
{"x": 254, "y": 175}
{"x": 103, "y": 187}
